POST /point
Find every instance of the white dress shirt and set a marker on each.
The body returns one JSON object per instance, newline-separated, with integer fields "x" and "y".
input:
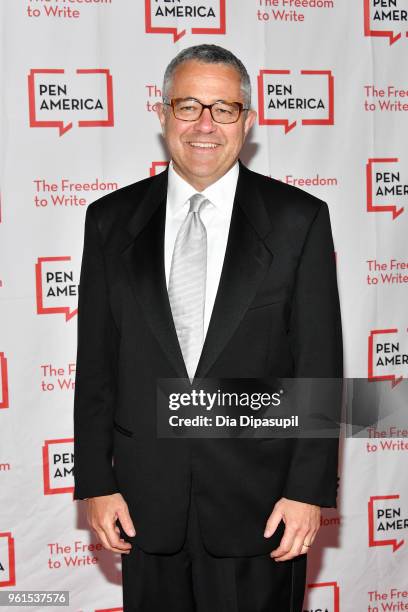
{"x": 216, "y": 218}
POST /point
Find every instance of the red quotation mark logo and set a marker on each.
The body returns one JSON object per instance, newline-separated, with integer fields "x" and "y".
{"x": 55, "y": 286}
{"x": 162, "y": 17}
{"x": 7, "y": 560}
{"x": 284, "y": 100}
{"x": 384, "y": 354}
{"x": 327, "y": 594}
{"x": 4, "y": 397}
{"x": 380, "y": 17}
{"x": 52, "y": 103}
{"x": 377, "y": 516}
{"x": 379, "y": 182}
{"x": 157, "y": 166}
{"x": 57, "y": 466}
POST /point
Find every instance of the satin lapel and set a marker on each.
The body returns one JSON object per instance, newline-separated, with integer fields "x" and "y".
{"x": 246, "y": 262}
{"x": 144, "y": 260}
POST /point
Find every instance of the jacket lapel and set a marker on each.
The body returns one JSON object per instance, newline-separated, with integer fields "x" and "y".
{"x": 144, "y": 260}
{"x": 246, "y": 262}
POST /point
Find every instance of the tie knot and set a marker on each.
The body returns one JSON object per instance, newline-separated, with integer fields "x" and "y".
{"x": 197, "y": 202}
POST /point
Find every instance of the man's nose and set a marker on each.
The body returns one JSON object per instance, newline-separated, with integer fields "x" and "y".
{"x": 206, "y": 123}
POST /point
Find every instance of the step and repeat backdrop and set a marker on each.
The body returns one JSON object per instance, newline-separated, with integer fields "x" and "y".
{"x": 80, "y": 82}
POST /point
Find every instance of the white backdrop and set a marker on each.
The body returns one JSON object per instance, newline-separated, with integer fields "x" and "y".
{"x": 80, "y": 79}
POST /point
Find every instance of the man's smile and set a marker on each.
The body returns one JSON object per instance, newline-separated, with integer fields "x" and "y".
{"x": 203, "y": 145}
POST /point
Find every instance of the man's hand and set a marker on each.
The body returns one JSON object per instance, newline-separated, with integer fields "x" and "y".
{"x": 302, "y": 522}
{"x": 102, "y": 514}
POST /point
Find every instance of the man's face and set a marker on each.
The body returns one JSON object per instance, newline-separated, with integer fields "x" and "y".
{"x": 201, "y": 165}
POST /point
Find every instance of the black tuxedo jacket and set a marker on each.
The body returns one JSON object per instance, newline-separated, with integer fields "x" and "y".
{"x": 276, "y": 314}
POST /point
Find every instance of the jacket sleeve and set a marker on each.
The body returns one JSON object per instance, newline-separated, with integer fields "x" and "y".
{"x": 315, "y": 336}
{"x": 95, "y": 384}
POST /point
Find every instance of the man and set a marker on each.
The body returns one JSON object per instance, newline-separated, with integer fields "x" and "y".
{"x": 207, "y": 270}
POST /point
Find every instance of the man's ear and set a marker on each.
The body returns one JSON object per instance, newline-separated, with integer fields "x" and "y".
{"x": 161, "y": 113}
{"x": 249, "y": 120}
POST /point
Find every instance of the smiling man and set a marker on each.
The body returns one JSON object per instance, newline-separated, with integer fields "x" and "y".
{"x": 204, "y": 143}
{"x": 207, "y": 270}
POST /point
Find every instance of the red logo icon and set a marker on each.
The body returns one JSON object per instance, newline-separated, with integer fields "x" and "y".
{"x": 7, "y": 560}
{"x": 384, "y": 518}
{"x": 325, "y": 597}
{"x": 289, "y": 99}
{"x": 4, "y": 395}
{"x": 162, "y": 17}
{"x": 384, "y": 18}
{"x": 57, "y": 292}
{"x": 386, "y": 355}
{"x": 58, "y": 463}
{"x": 157, "y": 167}
{"x": 383, "y": 185}
{"x": 58, "y": 100}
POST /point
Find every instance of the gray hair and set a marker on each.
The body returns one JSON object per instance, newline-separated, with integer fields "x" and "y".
{"x": 209, "y": 54}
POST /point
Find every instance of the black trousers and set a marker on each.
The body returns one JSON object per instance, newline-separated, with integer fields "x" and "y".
{"x": 192, "y": 580}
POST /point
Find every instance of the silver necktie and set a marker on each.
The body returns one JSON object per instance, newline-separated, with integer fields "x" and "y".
{"x": 187, "y": 282}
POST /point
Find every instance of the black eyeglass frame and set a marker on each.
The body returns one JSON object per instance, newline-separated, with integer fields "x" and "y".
{"x": 171, "y": 102}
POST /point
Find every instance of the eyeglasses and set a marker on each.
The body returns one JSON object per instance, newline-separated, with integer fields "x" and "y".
{"x": 190, "y": 109}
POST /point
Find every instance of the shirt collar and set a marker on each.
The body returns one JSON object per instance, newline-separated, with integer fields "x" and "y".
{"x": 223, "y": 190}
